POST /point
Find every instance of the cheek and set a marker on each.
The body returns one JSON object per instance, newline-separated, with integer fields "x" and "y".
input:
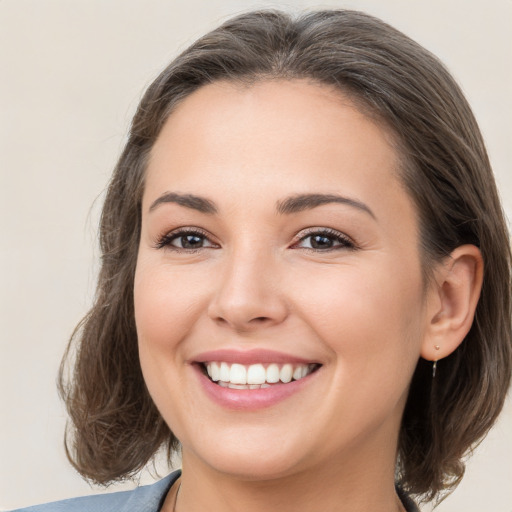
{"x": 166, "y": 310}
{"x": 166, "y": 303}
{"x": 365, "y": 313}
{"x": 368, "y": 317}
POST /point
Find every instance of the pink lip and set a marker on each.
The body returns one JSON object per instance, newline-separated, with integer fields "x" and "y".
{"x": 249, "y": 399}
{"x": 253, "y": 356}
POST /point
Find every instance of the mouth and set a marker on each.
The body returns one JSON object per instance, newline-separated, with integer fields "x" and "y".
{"x": 255, "y": 376}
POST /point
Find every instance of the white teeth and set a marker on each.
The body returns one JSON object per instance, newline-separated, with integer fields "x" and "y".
{"x": 215, "y": 372}
{"x": 238, "y": 374}
{"x": 273, "y": 373}
{"x": 237, "y": 386}
{"x": 286, "y": 373}
{"x": 224, "y": 372}
{"x": 255, "y": 376}
{"x": 244, "y": 386}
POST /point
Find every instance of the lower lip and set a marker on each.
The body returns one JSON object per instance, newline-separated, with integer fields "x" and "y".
{"x": 251, "y": 399}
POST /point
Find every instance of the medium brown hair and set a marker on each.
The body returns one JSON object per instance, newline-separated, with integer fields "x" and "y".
{"x": 117, "y": 428}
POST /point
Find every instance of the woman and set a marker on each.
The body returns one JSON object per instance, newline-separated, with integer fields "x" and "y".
{"x": 305, "y": 278}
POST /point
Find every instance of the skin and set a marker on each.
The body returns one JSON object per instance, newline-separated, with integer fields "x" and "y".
{"x": 360, "y": 309}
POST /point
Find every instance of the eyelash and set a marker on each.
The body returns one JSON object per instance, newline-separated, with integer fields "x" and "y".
{"x": 344, "y": 242}
{"x": 166, "y": 240}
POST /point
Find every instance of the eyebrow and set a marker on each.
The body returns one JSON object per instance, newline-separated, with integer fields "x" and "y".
{"x": 294, "y": 204}
{"x": 303, "y": 202}
{"x": 200, "y": 204}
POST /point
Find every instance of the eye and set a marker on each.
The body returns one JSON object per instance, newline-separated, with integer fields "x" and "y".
{"x": 324, "y": 240}
{"x": 186, "y": 240}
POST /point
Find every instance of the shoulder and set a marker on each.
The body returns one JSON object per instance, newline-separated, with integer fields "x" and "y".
{"x": 147, "y": 498}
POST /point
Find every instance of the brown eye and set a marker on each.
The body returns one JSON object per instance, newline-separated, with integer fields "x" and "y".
{"x": 321, "y": 242}
{"x": 191, "y": 241}
{"x": 325, "y": 241}
{"x": 185, "y": 240}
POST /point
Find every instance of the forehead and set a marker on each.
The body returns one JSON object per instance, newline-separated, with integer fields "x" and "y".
{"x": 287, "y": 136}
{"x": 301, "y": 109}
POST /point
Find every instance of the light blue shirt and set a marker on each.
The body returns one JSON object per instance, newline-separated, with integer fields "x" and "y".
{"x": 148, "y": 498}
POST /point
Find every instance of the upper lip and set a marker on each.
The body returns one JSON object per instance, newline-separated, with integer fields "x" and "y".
{"x": 248, "y": 357}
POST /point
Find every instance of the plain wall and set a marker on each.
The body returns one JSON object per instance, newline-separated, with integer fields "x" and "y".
{"x": 72, "y": 72}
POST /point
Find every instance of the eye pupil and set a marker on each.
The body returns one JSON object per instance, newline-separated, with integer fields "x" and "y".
{"x": 191, "y": 241}
{"x": 321, "y": 242}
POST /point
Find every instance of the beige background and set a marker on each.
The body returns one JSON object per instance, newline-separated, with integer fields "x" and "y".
{"x": 71, "y": 73}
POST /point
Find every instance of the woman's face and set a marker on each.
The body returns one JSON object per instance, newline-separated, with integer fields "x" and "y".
{"x": 278, "y": 243}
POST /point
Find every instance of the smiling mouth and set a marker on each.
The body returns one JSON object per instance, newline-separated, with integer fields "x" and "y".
{"x": 256, "y": 376}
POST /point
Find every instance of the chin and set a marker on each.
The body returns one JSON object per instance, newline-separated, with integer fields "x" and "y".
{"x": 254, "y": 467}
{"x": 249, "y": 459}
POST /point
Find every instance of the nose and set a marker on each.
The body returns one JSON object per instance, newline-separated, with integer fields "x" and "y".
{"x": 249, "y": 296}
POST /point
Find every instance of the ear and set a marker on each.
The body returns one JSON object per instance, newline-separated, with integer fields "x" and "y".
{"x": 453, "y": 300}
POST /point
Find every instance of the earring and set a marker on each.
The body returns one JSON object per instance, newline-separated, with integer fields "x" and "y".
{"x": 434, "y": 366}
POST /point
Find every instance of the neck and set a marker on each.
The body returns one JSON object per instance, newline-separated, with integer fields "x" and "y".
{"x": 348, "y": 486}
